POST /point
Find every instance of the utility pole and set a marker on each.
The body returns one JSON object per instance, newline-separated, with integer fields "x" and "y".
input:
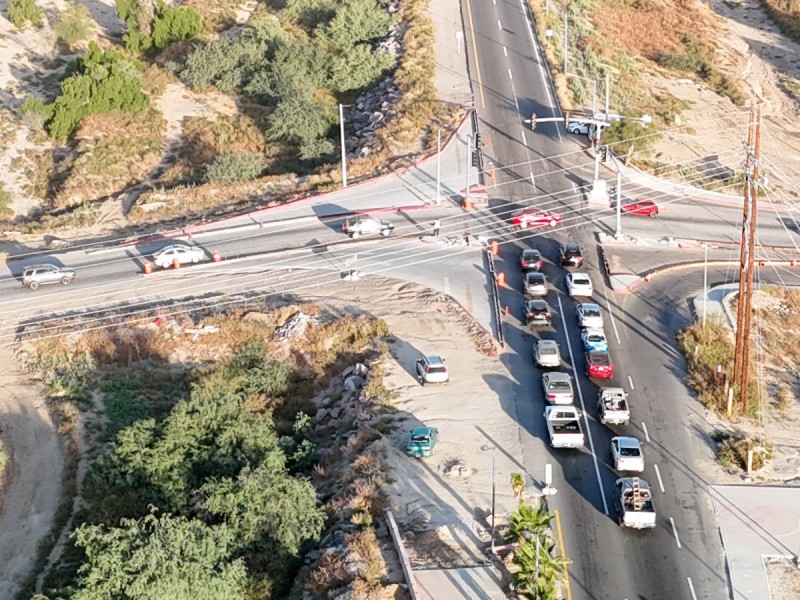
{"x": 566, "y": 40}
{"x": 741, "y": 363}
{"x": 438, "y": 166}
{"x": 344, "y": 151}
{"x": 608, "y": 93}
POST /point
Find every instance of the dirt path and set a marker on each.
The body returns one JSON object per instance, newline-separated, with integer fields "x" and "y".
{"x": 33, "y": 484}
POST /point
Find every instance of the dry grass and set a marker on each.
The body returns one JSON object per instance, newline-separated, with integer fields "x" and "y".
{"x": 777, "y": 319}
{"x": 38, "y": 165}
{"x": 217, "y": 15}
{"x": 786, "y": 13}
{"x": 155, "y": 80}
{"x": 114, "y": 150}
{"x": 733, "y": 450}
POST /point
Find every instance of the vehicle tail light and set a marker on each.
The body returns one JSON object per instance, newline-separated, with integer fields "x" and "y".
{"x": 551, "y": 396}
{"x": 524, "y": 263}
{"x": 427, "y": 369}
{"x": 530, "y": 315}
{"x": 548, "y": 315}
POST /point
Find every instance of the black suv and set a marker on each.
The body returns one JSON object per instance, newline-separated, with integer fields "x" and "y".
{"x": 531, "y": 260}
{"x": 571, "y": 255}
{"x": 537, "y": 313}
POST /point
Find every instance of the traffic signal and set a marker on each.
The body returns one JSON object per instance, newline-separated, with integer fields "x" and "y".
{"x": 478, "y": 140}
{"x": 603, "y": 150}
{"x": 476, "y": 159}
{"x": 533, "y": 121}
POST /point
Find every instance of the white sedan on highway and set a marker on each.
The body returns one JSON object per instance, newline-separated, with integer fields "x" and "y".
{"x": 579, "y": 284}
{"x": 166, "y": 257}
{"x": 589, "y": 315}
{"x": 627, "y": 454}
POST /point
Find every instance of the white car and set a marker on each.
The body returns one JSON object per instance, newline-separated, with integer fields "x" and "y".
{"x": 558, "y": 388}
{"x": 579, "y": 284}
{"x": 184, "y": 254}
{"x": 535, "y": 284}
{"x": 589, "y": 315}
{"x": 431, "y": 369}
{"x": 627, "y": 454}
{"x": 546, "y": 353}
{"x": 581, "y": 127}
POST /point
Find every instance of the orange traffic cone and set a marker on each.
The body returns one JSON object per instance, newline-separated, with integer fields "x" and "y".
{"x": 468, "y": 203}
{"x": 494, "y": 248}
{"x": 215, "y": 256}
{"x": 148, "y": 267}
{"x": 501, "y": 279}
{"x": 176, "y": 264}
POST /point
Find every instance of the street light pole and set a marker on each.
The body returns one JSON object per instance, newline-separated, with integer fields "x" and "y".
{"x": 705, "y": 282}
{"x": 438, "y": 166}
{"x": 344, "y": 152}
{"x": 469, "y": 163}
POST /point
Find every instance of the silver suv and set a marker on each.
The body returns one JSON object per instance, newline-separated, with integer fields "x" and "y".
{"x": 37, "y": 275}
{"x": 360, "y": 225}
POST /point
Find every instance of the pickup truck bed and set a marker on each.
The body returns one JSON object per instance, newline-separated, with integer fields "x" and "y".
{"x": 564, "y": 426}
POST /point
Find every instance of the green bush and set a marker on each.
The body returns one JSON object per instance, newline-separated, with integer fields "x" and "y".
{"x": 75, "y": 25}
{"x": 358, "y": 21}
{"x": 302, "y": 121}
{"x": 627, "y": 133}
{"x": 21, "y": 12}
{"x": 175, "y": 24}
{"x": 35, "y": 113}
{"x": 99, "y": 82}
{"x": 240, "y": 166}
{"x": 359, "y": 68}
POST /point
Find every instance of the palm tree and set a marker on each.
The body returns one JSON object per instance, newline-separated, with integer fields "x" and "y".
{"x": 529, "y": 519}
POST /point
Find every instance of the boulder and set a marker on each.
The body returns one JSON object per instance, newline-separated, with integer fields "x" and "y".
{"x": 354, "y": 383}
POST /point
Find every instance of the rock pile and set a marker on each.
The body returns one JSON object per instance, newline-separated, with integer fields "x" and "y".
{"x": 294, "y": 326}
{"x": 335, "y": 412}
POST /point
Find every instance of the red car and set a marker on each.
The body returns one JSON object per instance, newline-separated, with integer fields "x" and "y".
{"x": 598, "y": 365}
{"x": 535, "y": 217}
{"x": 644, "y": 208}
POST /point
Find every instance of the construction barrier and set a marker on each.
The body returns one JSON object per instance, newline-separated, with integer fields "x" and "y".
{"x": 495, "y": 299}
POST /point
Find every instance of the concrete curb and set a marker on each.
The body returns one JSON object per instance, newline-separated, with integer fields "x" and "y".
{"x": 648, "y": 276}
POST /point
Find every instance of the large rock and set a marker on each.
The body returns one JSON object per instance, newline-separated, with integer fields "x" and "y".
{"x": 354, "y": 383}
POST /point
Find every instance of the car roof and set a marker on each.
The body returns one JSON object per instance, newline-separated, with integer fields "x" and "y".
{"x": 596, "y": 356}
{"x": 171, "y": 246}
{"x": 557, "y": 376}
{"x": 434, "y": 360}
{"x": 421, "y": 431}
{"x": 41, "y": 266}
{"x": 570, "y": 246}
{"x": 545, "y": 343}
{"x": 627, "y": 442}
{"x": 594, "y": 331}
{"x": 534, "y": 275}
{"x": 537, "y": 303}
{"x": 575, "y": 276}
{"x": 531, "y": 251}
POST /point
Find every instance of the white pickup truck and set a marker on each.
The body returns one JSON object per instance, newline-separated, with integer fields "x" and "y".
{"x": 564, "y": 425}
{"x": 634, "y": 503}
{"x": 612, "y": 405}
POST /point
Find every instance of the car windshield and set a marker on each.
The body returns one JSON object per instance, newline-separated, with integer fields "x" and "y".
{"x": 591, "y": 312}
{"x": 599, "y": 359}
{"x": 580, "y": 279}
{"x": 436, "y": 369}
{"x": 422, "y": 439}
{"x": 531, "y": 255}
{"x": 595, "y": 338}
{"x": 548, "y": 350}
{"x": 629, "y": 451}
{"x": 559, "y": 386}
{"x": 535, "y": 278}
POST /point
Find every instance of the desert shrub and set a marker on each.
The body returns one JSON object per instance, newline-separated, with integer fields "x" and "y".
{"x": 241, "y": 166}
{"x": 308, "y": 13}
{"x": 226, "y": 64}
{"x": 175, "y": 24}
{"x": 35, "y": 113}
{"x": 733, "y": 448}
{"x": 99, "y": 82}
{"x": 75, "y": 25}
{"x": 357, "y": 21}
{"x": 359, "y": 67}
{"x": 303, "y": 121}
{"x": 5, "y": 202}
{"x": 786, "y": 13}
{"x": 22, "y": 12}
{"x": 629, "y": 133}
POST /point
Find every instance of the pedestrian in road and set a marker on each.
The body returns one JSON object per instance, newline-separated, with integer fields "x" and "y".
{"x": 436, "y": 226}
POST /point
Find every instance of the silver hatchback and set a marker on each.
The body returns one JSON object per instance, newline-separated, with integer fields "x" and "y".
{"x": 37, "y": 275}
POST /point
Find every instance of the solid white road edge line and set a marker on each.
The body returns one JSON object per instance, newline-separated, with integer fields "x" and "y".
{"x": 675, "y": 531}
{"x": 691, "y": 588}
{"x": 646, "y": 433}
{"x": 658, "y": 475}
{"x": 583, "y": 407}
{"x": 613, "y": 320}
{"x": 630, "y": 381}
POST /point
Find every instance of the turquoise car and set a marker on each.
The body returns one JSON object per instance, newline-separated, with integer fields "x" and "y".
{"x": 422, "y": 441}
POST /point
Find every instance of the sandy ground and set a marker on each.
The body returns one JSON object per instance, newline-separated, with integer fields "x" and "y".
{"x": 713, "y": 128}
{"x": 32, "y": 487}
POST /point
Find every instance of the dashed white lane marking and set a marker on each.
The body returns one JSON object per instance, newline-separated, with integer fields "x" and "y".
{"x": 675, "y": 531}
{"x": 583, "y": 408}
{"x": 505, "y": 51}
{"x": 630, "y": 381}
{"x": 510, "y": 76}
{"x": 691, "y": 588}
{"x": 499, "y": 25}
{"x": 533, "y": 181}
{"x": 613, "y": 320}
{"x": 646, "y": 433}
{"x": 524, "y": 139}
{"x": 660, "y": 483}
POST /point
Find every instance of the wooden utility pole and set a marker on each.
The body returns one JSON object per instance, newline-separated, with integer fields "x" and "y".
{"x": 741, "y": 362}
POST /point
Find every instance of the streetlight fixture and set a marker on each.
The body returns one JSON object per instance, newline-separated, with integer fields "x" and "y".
{"x": 486, "y": 448}
{"x": 344, "y": 151}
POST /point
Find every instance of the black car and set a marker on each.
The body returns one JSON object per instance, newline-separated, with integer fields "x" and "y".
{"x": 571, "y": 255}
{"x": 537, "y": 313}
{"x": 531, "y": 260}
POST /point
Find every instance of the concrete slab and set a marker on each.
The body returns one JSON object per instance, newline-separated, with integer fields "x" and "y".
{"x": 474, "y": 583}
{"x": 756, "y": 522}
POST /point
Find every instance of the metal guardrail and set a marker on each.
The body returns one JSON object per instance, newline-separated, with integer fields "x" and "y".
{"x": 498, "y": 317}
{"x": 406, "y": 564}
{"x": 477, "y": 149}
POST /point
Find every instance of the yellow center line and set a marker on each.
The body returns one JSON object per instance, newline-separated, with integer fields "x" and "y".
{"x": 564, "y": 554}
{"x": 475, "y": 53}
